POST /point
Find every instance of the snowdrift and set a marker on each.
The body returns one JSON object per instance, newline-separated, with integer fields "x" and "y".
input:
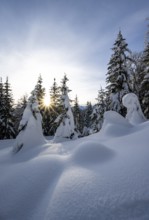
{"x": 102, "y": 176}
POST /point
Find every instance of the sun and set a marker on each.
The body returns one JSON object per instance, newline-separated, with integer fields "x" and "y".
{"x": 46, "y": 101}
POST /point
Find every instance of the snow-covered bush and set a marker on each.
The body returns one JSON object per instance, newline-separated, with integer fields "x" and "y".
{"x": 134, "y": 112}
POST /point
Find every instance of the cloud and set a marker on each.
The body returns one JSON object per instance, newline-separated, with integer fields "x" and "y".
{"x": 24, "y": 69}
{"x": 74, "y": 37}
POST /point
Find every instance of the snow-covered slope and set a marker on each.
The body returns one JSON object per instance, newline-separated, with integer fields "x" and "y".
{"x": 103, "y": 176}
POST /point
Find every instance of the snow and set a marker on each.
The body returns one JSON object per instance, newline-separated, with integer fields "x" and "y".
{"x": 66, "y": 129}
{"x": 30, "y": 128}
{"x": 101, "y": 176}
{"x": 113, "y": 121}
{"x": 134, "y": 112}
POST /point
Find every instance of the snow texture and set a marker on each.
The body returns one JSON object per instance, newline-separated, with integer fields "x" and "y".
{"x": 134, "y": 112}
{"x": 113, "y": 121}
{"x": 103, "y": 176}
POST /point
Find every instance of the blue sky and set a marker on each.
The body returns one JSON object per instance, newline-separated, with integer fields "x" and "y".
{"x": 53, "y": 37}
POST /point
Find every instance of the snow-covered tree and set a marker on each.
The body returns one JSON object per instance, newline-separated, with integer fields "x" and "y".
{"x": 87, "y": 116}
{"x": 118, "y": 74}
{"x": 30, "y": 128}
{"x": 7, "y": 118}
{"x": 77, "y": 116}
{"x": 55, "y": 106}
{"x": 145, "y": 82}
{"x": 87, "y": 119}
{"x": 18, "y": 111}
{"x": 1, "y": 108}
{"x": 40, "y": 93}
{"x": 134, "y": 112}
{"x": 98, "y": 111}
{"x": 47, "y": 121}
{"x": 137, "y": 68}
{"x": 67, "y": 128}
{"x": 55, "y": 94}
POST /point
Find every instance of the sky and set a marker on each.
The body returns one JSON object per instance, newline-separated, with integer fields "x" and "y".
{"x": 53, "y": 37}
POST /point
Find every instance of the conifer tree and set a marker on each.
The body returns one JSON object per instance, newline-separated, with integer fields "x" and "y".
{"x": 1, "y": 108}
{"x": 7, "y": 118}
{"x": 55, "y": 106}
{"x": 145, "y": 82}
{"x": 47, "y": 121}
{"x": 30, "y": 128}
{"x": 40, "y": 93}
{"x": 88, "y": 112}
{"x": 87, "y": 119}
{"x": 137, "y": 68}
{"x": 18, "y": 111}
{"x": 98, "y": 111}
{"x": 55, "y": 94}
{"x": 66, "y": 129}
{"x": 118, "y": 74}
{"x": 77, "y": 116}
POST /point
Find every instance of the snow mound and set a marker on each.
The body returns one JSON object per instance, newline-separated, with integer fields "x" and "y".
{"x": 134, "y": 112}
{"x": 21, "y": 198}
{"x": 91, "y": 178}
{"x": 115, "y": 125}
{"x": 91, "y": 152}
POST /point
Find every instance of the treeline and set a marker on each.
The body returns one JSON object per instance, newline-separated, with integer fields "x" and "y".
{"x": 127, "y": 72}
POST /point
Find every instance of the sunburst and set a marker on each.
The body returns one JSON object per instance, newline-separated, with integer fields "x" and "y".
{"x": 46, "y": 101}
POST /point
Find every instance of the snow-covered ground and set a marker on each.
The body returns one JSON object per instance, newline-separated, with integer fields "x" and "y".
{"x": 104, "y": 176}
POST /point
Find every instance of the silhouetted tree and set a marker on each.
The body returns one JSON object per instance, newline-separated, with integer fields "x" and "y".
{"x": 7, "y": 118}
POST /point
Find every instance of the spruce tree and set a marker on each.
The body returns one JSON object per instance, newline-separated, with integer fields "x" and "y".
{"x": 55, "y": 106}
{"x": 55, "y": 94}
{"x": 18, "y": 111}
{"x": 118, "y": 74}
{"x": 137, "y": 68}
{"x": 145, "y": 83}
{"x": 30, "y": 127}
{"x": 87, "y": 119}
{"x": 40, "y": 93}
{"x": 88, "y": 112}
{"x": 98, "y": 111}
{"x": 77, "y": 116}
{"x": 8, "y": 130}
{"x": 1, "y": 108}
{"x": 66, "y": 129}
{"x": 46, "y": 121}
